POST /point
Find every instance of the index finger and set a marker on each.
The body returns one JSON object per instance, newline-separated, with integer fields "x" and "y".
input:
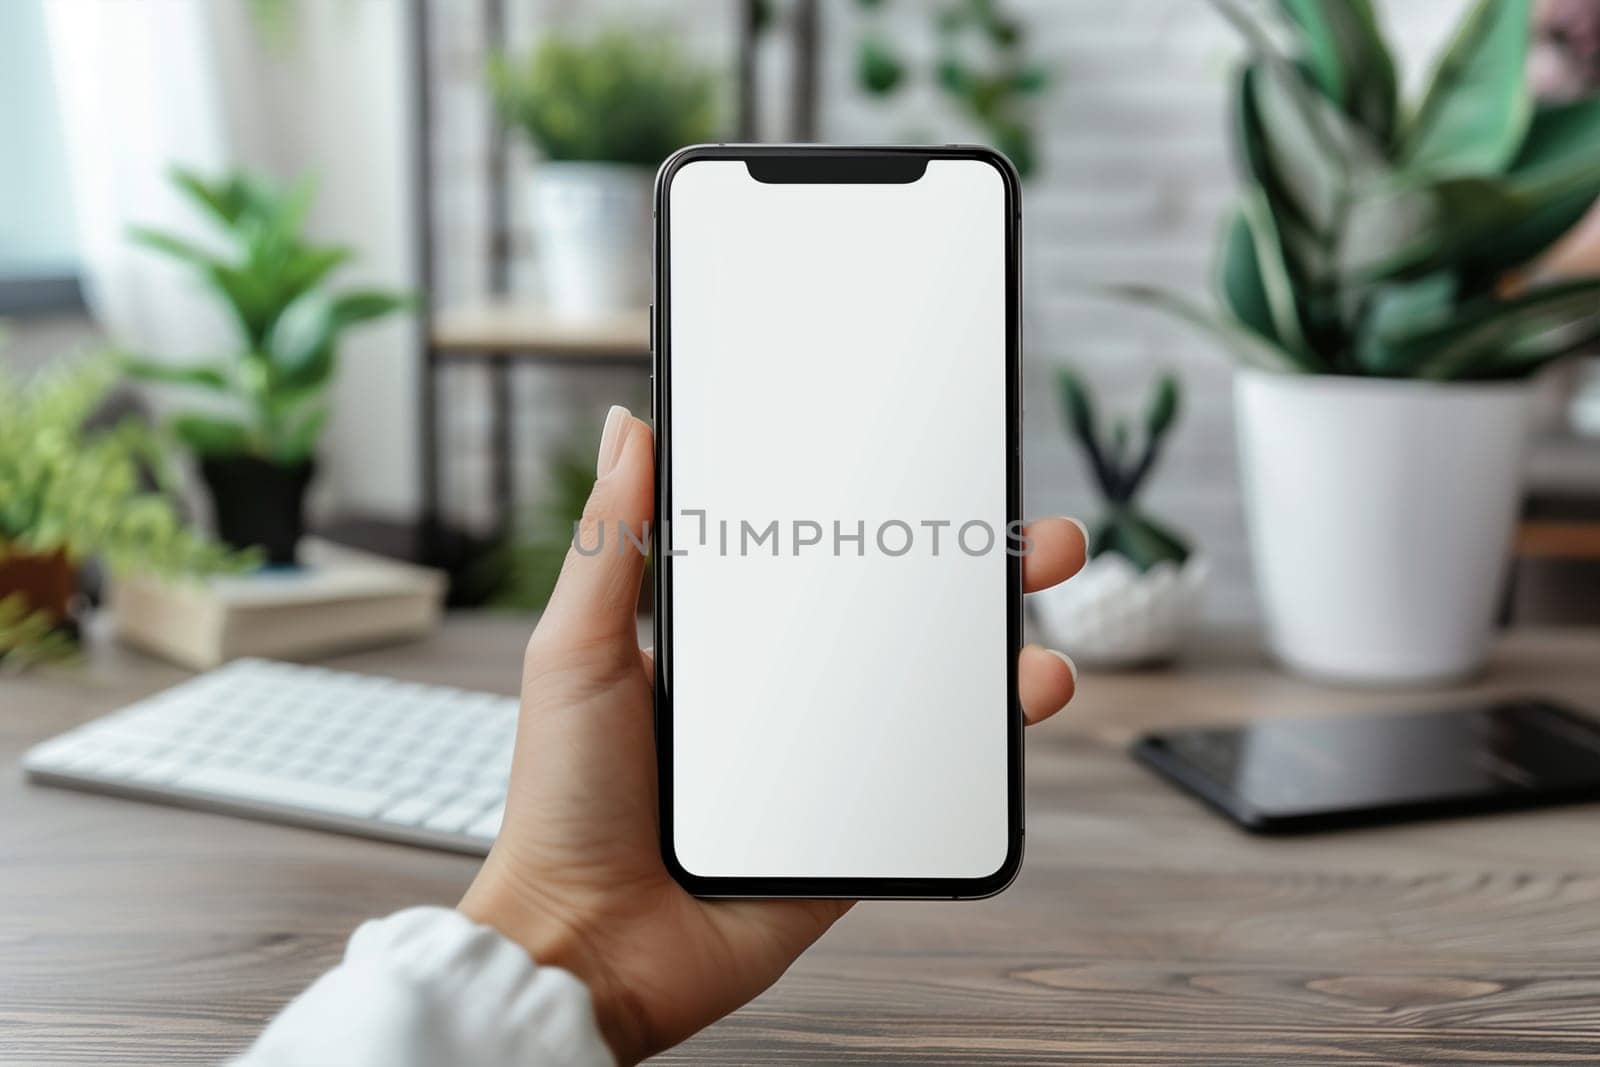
{"x": 1058, "y": 547}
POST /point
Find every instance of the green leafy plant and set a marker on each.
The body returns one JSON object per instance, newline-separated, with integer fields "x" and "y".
{"x": 290, "y": 321}
{"x": 1378, "y": 239}
{"x": 982, "y": 68}
{"x": 1120, "y": 466}
{"x": 71, "y": 490}
{"x": 29, "y": 635}
{"x": 617, "y": 97}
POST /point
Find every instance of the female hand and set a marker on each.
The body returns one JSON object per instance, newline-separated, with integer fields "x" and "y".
{"x": 576, "y": 875}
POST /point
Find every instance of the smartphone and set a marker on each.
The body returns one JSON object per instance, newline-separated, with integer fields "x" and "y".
{"x": 1296, "y": 775}
{"x": 837, "y": 544}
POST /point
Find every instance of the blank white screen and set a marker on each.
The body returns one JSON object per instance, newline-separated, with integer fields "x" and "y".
{"x": 838, "y": 353}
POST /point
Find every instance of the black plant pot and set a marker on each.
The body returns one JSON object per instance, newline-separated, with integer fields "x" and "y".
{"x": 259, "y": 503}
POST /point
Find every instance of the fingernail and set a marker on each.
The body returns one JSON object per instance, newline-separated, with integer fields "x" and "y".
{"x": 1064, "y": 658}
{"x": 1085, "y": 531}
{"x": 611, "y": 440}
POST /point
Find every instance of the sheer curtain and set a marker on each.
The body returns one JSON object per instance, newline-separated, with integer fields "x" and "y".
{"x": 144, "y": 84}
{"x": 138, "y": 90}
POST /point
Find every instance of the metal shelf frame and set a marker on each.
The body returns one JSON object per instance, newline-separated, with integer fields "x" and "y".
{"x": 610, "y": 347}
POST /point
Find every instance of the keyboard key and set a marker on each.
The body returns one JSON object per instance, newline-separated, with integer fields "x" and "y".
{"x": 371, "y": 780}
{"x": 125, "y": 766}
{"x": 58, "y": 752}
{"x": 440, "y": 794}
{"x": 409, "y": 812}
{"x": 489, "y": 825}
{"x": 91, "y": 759}
{"x": 454, "y": 819}
{"x": 484, "y": 796}
{"x": 150, "y": 728}
{"x": 160, "y": 771}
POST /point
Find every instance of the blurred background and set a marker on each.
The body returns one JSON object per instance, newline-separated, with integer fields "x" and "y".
{"x": 443, "y": 145}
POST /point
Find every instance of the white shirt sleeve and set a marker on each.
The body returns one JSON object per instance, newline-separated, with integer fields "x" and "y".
{"x": 428, "y": 986}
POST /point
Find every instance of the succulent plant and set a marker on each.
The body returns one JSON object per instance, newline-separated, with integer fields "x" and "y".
{"x": 1120, "y": 470}
{"x": 273, "y": 282}
{"x": 1383, "y": 240}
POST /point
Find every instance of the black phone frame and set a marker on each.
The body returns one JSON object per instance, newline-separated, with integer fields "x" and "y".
{"x": 834, "y": 163}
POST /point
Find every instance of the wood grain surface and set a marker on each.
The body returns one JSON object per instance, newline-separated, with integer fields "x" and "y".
{"x": 1142, "y": 930}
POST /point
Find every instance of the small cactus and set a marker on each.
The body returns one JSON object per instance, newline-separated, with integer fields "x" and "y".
{"x": 1121, "y": 470}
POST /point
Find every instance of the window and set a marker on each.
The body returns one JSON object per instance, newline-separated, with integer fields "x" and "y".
{"x": 38, "y": 263}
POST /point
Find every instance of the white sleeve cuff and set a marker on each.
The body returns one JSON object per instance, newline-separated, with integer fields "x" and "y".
{"x": 429, "y": 986}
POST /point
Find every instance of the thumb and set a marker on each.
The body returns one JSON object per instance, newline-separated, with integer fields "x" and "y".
{"x": 597, "y": 595}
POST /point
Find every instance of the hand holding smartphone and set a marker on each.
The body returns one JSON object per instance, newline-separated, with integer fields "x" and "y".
{"x": 838, "y": 539}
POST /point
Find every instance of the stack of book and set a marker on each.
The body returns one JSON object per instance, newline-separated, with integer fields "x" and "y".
{"x": 338, "y": 598}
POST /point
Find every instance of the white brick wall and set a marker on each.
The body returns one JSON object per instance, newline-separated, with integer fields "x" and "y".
{"x": 1134, "y": 175}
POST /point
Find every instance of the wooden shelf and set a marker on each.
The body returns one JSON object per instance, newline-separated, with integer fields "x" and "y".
{"x": 1548, "y": 539}
{"x": 517, "y": 330}
{"x": 1561, "y": 512}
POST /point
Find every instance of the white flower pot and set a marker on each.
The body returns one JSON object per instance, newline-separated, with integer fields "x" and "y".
{"x": 592, "y": 232}
{"x": 1111, "y": 615}
{"x": 1381, "y": 514}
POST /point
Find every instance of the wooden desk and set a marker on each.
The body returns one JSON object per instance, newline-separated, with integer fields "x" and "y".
{"x": 1142, "y": 930}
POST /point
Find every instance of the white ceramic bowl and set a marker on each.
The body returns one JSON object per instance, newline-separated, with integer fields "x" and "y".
{"x": 1111, "y": 615}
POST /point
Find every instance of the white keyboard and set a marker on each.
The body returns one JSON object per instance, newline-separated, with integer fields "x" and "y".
{"x": 363, "y": 755}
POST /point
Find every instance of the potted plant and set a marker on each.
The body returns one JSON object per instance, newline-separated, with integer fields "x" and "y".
{"x": 1370, "y": 281}
{"x": 1142, "y": 585}
{"x": 602, "y": 113}
{"x": 69, "y": 492}
{"x": 257, "y": 457}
